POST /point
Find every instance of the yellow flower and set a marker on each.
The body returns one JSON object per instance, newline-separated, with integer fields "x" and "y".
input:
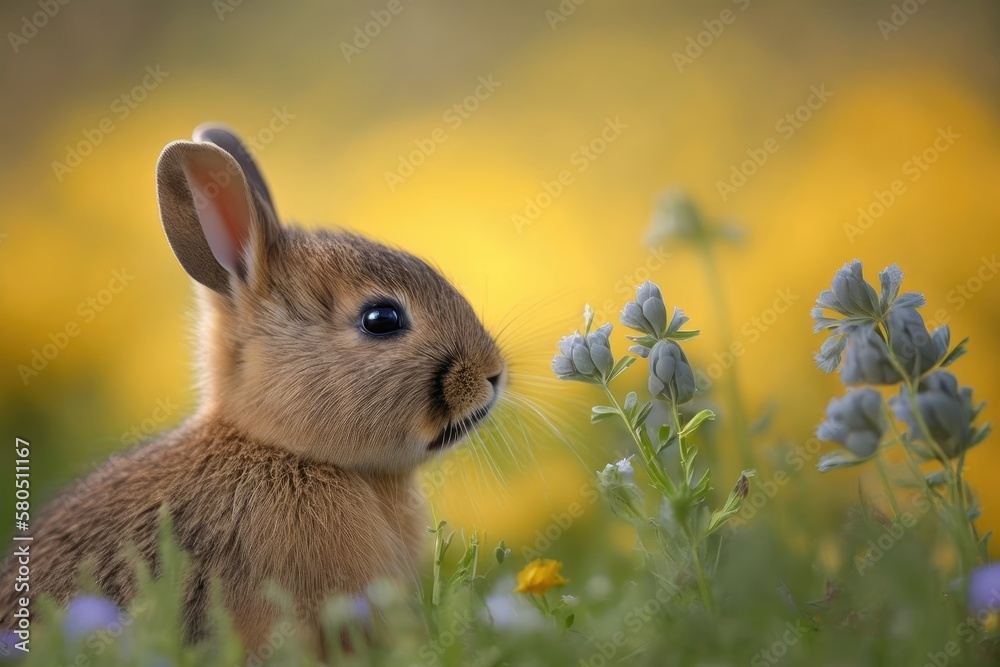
{"x": 539, "y": 576}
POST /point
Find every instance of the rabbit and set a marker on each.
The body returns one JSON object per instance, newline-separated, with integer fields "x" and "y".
{"x": 330, "y": 367}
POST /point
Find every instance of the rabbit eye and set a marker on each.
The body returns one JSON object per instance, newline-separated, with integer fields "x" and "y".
{"x": 381, "y": 319}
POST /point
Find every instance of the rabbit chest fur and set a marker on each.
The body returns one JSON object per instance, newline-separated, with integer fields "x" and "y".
{"x": 246, "y": 513}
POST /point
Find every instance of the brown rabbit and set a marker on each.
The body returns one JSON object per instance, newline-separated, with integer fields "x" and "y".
{"x": 330, "y": 368}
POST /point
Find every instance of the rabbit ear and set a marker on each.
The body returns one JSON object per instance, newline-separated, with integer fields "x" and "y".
{"x": 227, "y": 140}
{"x": 211, "y": 216}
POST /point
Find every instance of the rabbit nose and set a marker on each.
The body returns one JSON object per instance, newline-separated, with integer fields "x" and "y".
{"x": 495, "y": 381}
{"x": 467, "y": 388}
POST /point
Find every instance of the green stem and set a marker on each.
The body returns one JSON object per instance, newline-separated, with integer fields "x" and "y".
{"x": 735, "y": 399}
{"x": 654, "y": 467}
{"x": 660, "y": 479}
{"x": 687, "y": 473}
{"x": 967, "y": 541}
{"x": 887, "y": 485}
{"x": 703, "y": 587}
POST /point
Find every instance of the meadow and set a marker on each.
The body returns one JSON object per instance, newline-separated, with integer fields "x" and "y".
{"x": 547, "y": 156}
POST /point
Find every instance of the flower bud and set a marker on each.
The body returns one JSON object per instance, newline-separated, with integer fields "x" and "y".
{"x": 670, "y": 375}
{"x": 946, "y": 409}
{"x": 866, "y": 359}
{"x": 584, "y": 358}
{"x": 855, "y": 421}
{"x": 914, "y": 346}
{"x": 647, "y": 313}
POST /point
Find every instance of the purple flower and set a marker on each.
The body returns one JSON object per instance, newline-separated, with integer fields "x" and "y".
{"x": 8, "y": 652}
{"x": 855, "y": 421}
{"x": 947, "y": 410}
{"x": 670, "y": 375}
{"x": 89, "y": 613}
{"x": 984, "y": 589}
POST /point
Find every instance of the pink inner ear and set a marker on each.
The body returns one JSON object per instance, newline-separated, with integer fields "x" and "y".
{"x": 221, "y": 202}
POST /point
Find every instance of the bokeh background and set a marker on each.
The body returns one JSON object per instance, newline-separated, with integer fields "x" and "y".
{"x": 330, "y": 121}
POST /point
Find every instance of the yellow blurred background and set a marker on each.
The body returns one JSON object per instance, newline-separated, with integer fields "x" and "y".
{"x": 664, "y": 94}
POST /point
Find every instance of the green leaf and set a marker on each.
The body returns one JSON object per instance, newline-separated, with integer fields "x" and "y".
{"x": 955, "y": 353}
{"x": 630, "y": 400}
{"x": 602, "y": 412}
{"x": 642, "y": 413}
{"x": 665, "y": 438}
{"x": 620, "y": 367}
{"x": 645, "y": 340}
{"x": 701, "y": 489}
{"x": 937, "y": 478}
{"x": 696, "y": 421}
{"x": 682, "y": 335}
{"x": 980, "y": 434}
{"x": 734, "y": 503}
{"x": 836, "y": 460}
{"x": 568, "y": 623}
{"x": 500, "y": 553}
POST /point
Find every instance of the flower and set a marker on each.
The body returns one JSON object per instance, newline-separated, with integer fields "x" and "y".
{"x": 647, "y": 313}
{"x": 850, "y": 295}
{"x": 984, "y": 589}
{"x": 616, "y": 483}
{"x": 866, "y": 360}
{"x": 947, "y": 410}
{"x": 859, "y": 306}
{"x": 670, "y": 375}
{"x": 9, "y": 640}
{"x": 916, "y": 349}
{"x": 89, "y": 613}
{"x": 676, "y": 216}
{"x": 855, "y": 421}
{"x": 585, "y": 358}
{"x": 624, "y": 467}
{"x": 539, "y": 576}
